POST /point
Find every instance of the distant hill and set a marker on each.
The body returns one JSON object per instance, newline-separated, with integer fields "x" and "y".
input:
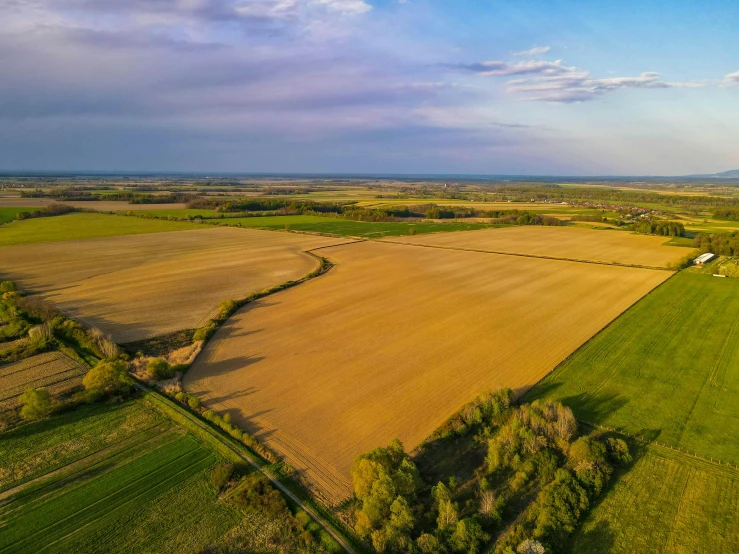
{"x": 732, "y": 174}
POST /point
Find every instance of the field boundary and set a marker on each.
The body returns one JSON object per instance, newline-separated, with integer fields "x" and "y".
{"x": 230, "y": 448}
{"x": 498, "y": 253}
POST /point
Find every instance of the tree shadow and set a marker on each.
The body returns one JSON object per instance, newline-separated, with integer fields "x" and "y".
{"x": 600, "y": 538}
{"x": 595, "y": 408}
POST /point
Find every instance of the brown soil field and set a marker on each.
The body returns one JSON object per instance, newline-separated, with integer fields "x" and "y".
{"x": 572, "y": 243}
{"x": 140, "y": 286}
{"x": 101, "y": 205}
{"x": 52, "y": 370}
{"x": 393, "y": 340}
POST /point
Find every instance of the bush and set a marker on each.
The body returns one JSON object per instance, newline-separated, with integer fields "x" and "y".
{"x": 35, "y": 404}
{"x": 159, "y": 369}
{"x": 108, "y": 378}
{"x": 8, "y": 286}
{"x": 180, "y": 396}
{"x": 618, "y": 451}
{"x": 193, "y": 402}
{"x": 221, "y": 475}
{"x": 205, "y": 332}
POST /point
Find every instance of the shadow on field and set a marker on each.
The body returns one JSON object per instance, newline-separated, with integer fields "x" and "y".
{"x": 600, "y": 539}
{"x": 230, "y": 364}
{"x": 236, "y": 395}
{"x": 540, "y": 390}
{"x": 595, "y": 408}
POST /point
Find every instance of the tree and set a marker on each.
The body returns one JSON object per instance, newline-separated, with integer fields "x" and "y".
{"x": 488, "y": 506}
{"x": 159, "y": 369}
{"x": 35, "y": 404}
{"x": 7, "y": 286}
{"x": 429, "y": 544}
{"x": 530, "y": 546}
{"x": 467, "y": 536}
{"x": 108, "y": 378}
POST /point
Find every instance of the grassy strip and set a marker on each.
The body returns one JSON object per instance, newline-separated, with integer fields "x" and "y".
{"x": 234, "y": 450}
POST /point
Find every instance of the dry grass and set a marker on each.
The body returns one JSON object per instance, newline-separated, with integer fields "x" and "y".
{"x": 574, "y": 243}
{"x": 396, "y": 338}
{"x": 52, "y": 370}
{"x": 141, "y": 286}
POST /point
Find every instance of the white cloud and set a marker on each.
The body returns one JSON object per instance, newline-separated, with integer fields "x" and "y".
{"x": 730, "y": 79}
{"x": 535, "y": 51}
{"x": 555, "y": 82}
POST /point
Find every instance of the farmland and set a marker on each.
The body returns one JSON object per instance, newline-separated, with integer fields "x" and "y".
{"x": 78, "y": 226}
{"x": 105, "y": 477}
{"x": 8, "y": 214}
{"x": 562, "y": 242}
{"x": 53, "y": 371}
{"x": 666, "y": 502}
{"x": 349, "y": 228}
{"x": 668, "y": 369}
{"x": 370, "y": 344}
{"x": 141, "y": 286}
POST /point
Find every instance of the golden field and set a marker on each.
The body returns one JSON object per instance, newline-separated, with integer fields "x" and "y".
{"x": 393, "y": 340}
{"x": 53, "y": 371}
{"x": 572, "y": 243}
{"x": 141, "y": 286}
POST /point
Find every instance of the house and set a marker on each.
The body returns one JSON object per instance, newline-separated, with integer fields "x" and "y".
{"x": 704, "y": 258}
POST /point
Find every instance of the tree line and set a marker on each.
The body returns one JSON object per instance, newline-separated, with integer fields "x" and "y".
{"x": 537, "y": 482}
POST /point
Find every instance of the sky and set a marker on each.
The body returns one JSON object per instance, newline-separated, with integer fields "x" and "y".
{"x": 549, "y": 87}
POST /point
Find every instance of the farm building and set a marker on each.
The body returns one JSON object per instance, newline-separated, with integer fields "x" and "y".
{"x": 704, "y": 258}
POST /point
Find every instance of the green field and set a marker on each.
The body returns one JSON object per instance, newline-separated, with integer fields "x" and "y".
{"x": 184, "y": 212}
{"x": 114, "y": 478}
{"x": 666, "y": 370}
{"x": 666, "y": 502}
{"x": 8, "y": 214}
{"x": 347, "y": 227}
{"x": 76, "y": 226}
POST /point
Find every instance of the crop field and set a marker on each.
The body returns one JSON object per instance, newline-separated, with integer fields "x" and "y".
{"x": 78, "y": 226}
{"x": 123, "y": 479}
{"x": 137, "y": 287}
{"x": 668, "y": 369}
{"x": 574, "y": 243}
{"x": 52, "y": 370}
{"x": 393, "y": 340}
{"x": 350, "y": 228}
{"x": 97, "y": 205}
{"x": 666, "y": 502}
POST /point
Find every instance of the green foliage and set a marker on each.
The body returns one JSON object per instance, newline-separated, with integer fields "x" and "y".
{"x": 725, "y": 244}
{"x": 256, "y": 494}
{"x": 159, "y": 369}
{"x": 108, "y": 378}
{"x": 220, "y": 475}
{"x": 193, "y": 402}
{"x": 227, "y": 308}
{"x": 618, "y": 451}
{"x": 660, "y": 227}
{"x": 7, "y": 286}
{"x": 205, "y": 332}
{"x": 385, "y": 481}
{"x": 35, "y": 404}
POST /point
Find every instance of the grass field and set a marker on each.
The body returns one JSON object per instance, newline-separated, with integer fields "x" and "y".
{"x": 137, "y": 287}
{"x": 563, "y": 242}
{"x": 97, "y": 205}
{"x": 78, "y": 226}
{"x": 113, "y": 478}
{"x": 349, "y": 228}
{"x": 8, "y": 214}
{"x": 52, "y": 370}
{"x": 668, "y": 369}
{"x": 666, "y": 502}
{"x": 393, "y": 340}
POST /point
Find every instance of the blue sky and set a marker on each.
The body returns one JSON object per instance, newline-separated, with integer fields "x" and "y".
{"x": 380, "y": 86}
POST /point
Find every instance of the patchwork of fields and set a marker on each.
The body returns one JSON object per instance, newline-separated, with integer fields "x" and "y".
{"x": 136, "y": 287}
{"x": 572, "y": 243}
{"x": 396, "y": 338}
{"x": 53, "y": 370}
{"x": 114, "y": 478}
{"x": 350, "y": 228}
{"x": 668, "y": 369}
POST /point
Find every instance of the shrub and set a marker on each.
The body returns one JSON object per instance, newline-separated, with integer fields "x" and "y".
{"x": 221, "y": 475}
{"x": 35, "y": 404}
{"x": 618, "y": 451}
{"x": 8, "y": 286}
{"x": 159, "y": 369}
{"x": 180, "y": 396}
{"x": 226, "y": 308}
{"x": 108, "y": 378}
{"x": 193, "y": 402}
{"x": 205, "y": 332}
